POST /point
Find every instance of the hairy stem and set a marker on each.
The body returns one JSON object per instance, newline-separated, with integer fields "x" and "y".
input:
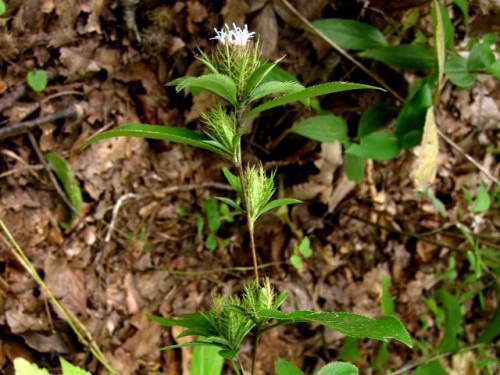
{"x": 241, "y": 175}
{"x": 254, "y": 354}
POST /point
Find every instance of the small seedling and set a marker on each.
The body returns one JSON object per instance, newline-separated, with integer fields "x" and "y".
{"x": 37, "y": 80}
{"x": 301, "y": 251}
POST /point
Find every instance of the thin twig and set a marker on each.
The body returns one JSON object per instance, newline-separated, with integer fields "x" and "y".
{"x": 71, "y": 113}
{"x": 349, "y": 57}
{"x": 52, "y": 178}
{"x": 168, "y": 190}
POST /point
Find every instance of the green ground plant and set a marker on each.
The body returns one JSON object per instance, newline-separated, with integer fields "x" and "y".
{"x": 434, "y": 59}
{"x": 236, "y": 75}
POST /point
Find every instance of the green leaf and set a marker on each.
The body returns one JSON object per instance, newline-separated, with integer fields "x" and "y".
{"x": 279, "y": 74}
{"x": 23, "y": 367}
{"x": 350, "y": 351}
{"x": 305, "y": 247}
{"x": 494, "y": 69}
{"x": 431, "y": 368}
{"x": 218, "y": 84}
{"x": 283, "y": 367}
{"x": 234, "y": 181}
{"x": 493, "y": 329}
{"x": 296, "y": 262}
{"x": 463, "y": 5}
{"x": 37, "y": 80}
{"x": 379, "y": 145}
{"x": 275, "y": 87}
{"x": 456, "y": 70}
{"x": 490, "y": 38}
{"x": 69, "y": 369}
{"x": 354, "y": 167}
{"x": 386, "y": 302}
{"x": 2, "y": 7}
{"x": 278, "y": 202}
{"x": 373, "y": 118}
{"x": 68, "y": 180}
{"x": 324, "y": 128}
{"x": 197, "y": 324}
{"x": 206, "y": 361}
{"x": 259, "y": 75}
{"x": 231, "y": 203}
{"x": 482, "y": 201}
{"x": 323, "y": 89}
{"x": 350, "y": 34}
{"x": 411, "y": 119}
{"x": 481, "y": 57}
{"x": 406, "y": 56}
{"x": 338, "y": 368}
{"x": 165, "y": 133}
{"x": 348, "y": 324}
{"x": 438, "y": 12}
{"x": 449, "y": 342}
{"x": 211, "y": 242}
{"x": 213, "y": 216}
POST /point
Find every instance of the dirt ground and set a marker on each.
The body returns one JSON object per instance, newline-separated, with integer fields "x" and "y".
{"x": 135, "y": 249}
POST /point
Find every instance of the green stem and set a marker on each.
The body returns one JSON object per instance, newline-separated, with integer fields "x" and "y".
{"x": 254, "y": 354}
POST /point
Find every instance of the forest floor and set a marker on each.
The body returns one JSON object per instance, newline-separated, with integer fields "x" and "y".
{"x": 138, "y": 248}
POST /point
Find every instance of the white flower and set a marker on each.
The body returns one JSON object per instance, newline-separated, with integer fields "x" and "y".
{"x": 236, "y": 36}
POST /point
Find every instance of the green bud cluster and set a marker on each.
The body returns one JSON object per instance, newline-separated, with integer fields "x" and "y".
{"x": 222, "y": 130}
{"x": 260, "y": 189}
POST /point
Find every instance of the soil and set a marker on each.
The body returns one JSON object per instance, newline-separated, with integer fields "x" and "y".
{"x": 137, "y": 248}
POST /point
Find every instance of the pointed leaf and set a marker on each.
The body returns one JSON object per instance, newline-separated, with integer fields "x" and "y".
{"x": 165, "y": 133}
{"x": 280, "y": 74}
{"x": 411, "y": 119}
{"x": 406, "y": 56}
{"x": 373, "y": 118}
{"x": 439, "y": 40}
{"x": 69, "y": 182}
{"x": 424, "y": 167}
{"x": 23, "y": 367}
{"x": 231, "y": 203}
{"x": 323, "y": 89}
{"x": 324, "y": 128}
{"x": 338, "y": 368}
{"x": 258, "y": 76}
{"x": 233, "y": 180}
{"x": 350, "y": 34}
{"x": 379, "y": 145}
{"x": 449, "y": 342}
{"x": 278, "y": 202}
{"x": 215, "y": 83}
{"x": 482, "y": 201}
{"x": 348, "y": 324}
{"x": 481, "y": 56}
{"x": 275, "y": 87}
{"x": 70, "y": 369}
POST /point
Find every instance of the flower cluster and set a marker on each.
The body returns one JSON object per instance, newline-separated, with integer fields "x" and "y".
{"x": 236, "y": 36}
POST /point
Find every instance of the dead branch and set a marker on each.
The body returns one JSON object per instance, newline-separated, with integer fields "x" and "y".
{"x": 72, "y": 112}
